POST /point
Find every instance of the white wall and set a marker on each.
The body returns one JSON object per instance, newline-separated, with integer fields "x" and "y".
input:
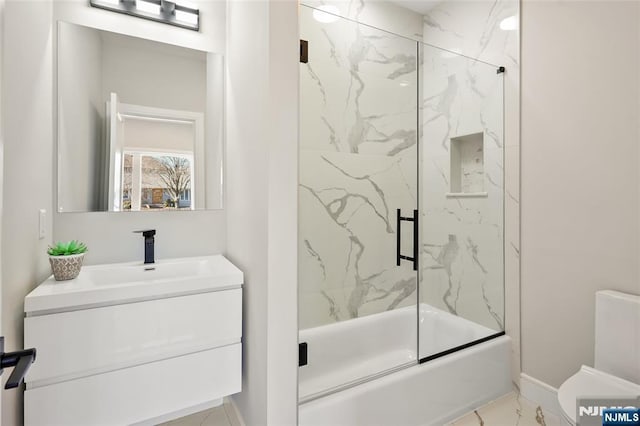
{"x": 146, "y": 73}
{"x": 247, "y": 191}
{"x": 170, "y": 136}
{"x": 580, "y": 181}
{"x": 2, "y": 2}
{"x": 262, "y": 78}
{"x": 110, "y": 236}
{"x": 282, "y": 353}
{"x": 81, "y": 112}
{"x": 27, "y": 109}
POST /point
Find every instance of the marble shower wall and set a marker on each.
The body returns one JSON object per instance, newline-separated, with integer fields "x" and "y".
{"x": 358, "y": 164}
{"x": 478, "y": 29}
{"x": 385, "y": 15}
{"x": 462, "y": 253}
{"x": 475, "y": 28}
{"x": 462, "y": 230}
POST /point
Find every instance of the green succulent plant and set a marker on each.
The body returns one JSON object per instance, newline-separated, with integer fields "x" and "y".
{"x": 67, "y": 249}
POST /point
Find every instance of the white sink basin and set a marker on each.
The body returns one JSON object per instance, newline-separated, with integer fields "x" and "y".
{"x": 140, "y": 273}
{"x": 101, "y": 285}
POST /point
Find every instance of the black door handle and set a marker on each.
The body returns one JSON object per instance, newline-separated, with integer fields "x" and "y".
{"x": 20, "y": 370}
{"x": 19, "y": 360}
{"x": 414, "y": 219}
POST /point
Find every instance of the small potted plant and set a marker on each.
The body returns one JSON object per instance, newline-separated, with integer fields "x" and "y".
{"x": 66, "y": 259}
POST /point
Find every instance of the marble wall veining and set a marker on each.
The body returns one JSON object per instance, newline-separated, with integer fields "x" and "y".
{"x": 358, "y": 156}
{"x": 488, "y": 30}
{"x": 475, "y": 28}
{"x": 462, "y": 232}
{"x": 388, "y": 16}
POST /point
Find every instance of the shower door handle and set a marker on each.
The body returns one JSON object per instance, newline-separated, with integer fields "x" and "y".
{"x": 399, "y": 256}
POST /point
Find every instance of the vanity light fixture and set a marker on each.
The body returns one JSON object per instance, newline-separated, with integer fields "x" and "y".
{"x": 172, "y": 12}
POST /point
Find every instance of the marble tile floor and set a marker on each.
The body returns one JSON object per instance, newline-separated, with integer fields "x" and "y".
{"x": 216, "y": 416}
{"x": 510, "y": 410}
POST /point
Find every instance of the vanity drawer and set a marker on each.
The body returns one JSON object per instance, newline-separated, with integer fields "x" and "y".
{"x": 91, "y": 341}
{"x": 137, "y": 394}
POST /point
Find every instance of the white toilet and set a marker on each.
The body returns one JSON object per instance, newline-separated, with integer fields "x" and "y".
{"x": 617, "y": 355}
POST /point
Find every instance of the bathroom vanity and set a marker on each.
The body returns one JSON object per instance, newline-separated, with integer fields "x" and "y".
{"x": 134, "y": 344}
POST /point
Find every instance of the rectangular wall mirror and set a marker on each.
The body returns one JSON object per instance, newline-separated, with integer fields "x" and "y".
{"x": 140, "y": 124}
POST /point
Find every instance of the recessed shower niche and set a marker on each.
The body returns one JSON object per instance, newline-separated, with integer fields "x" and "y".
{"x": 467, "y": 166}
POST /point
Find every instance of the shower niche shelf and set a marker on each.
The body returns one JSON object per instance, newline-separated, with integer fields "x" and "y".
{"x": 467, "y": 166}
{"x": 467, "y": 194}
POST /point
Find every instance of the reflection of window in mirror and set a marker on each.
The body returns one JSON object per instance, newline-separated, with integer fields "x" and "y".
{"x": 157, "y": 181}
{"x": 162, "y": 166}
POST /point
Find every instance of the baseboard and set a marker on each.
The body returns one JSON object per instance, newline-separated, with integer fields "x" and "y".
{"x": 540, "y": 393}
{"x": 230, "y": 407}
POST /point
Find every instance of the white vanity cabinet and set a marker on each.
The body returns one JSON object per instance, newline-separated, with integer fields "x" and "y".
{"x": 126, "y": 344}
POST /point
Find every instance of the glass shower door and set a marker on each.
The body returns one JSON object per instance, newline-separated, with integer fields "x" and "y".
{"x": 358, "y": 166}
{"x": 462, "y": 202}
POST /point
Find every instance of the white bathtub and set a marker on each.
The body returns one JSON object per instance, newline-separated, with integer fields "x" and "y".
{"x": 341, "y": 354}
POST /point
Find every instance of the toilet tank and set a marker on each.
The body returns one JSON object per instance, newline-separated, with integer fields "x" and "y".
{"x": 617, "y": 336}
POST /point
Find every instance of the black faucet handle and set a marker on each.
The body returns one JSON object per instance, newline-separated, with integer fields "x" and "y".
{"x": 146, "y": 233}
{"x": 149, "y": 240}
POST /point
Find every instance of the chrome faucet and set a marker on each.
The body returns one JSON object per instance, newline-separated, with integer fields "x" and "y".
{"x": 149, "y": 242}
